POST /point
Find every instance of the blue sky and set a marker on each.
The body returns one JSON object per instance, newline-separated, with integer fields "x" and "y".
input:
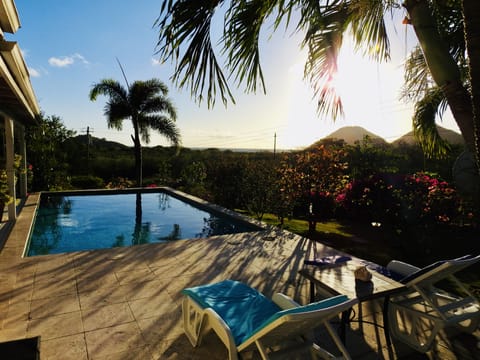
{"x": 70, "y": 45}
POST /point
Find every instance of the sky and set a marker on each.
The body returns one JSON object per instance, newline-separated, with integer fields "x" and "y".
{"x": 70, "y": 45}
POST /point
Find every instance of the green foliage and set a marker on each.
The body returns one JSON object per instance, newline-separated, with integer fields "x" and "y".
{"x": 5, "y": 197}
{"x": 87, "y": 182}
{"x": 193, "y": 174}
{"x": 258, "y": 187}
{"x": 46, "y": 153}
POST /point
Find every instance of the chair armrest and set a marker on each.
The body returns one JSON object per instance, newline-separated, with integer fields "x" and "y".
{"x": 401, "y": 267}
{"x": 284, "y": 302}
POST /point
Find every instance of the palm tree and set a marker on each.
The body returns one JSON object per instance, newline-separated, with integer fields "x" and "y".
{"x": 146, "y": 104}
{"x": 184, "y": 36}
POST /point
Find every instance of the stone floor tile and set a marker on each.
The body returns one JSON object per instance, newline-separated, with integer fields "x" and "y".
{"x": 181, "y": 349}
{"x": 166, "y": 326}
{"x": 68, "y": 347}
{"x": 93, "y": 280}
{"x": 137, "y": 275}
{"x": 141, "y": 353}
{"x": 106, "y": 316}
{"x": 56, "y": 275}
{"x": 51, "y": 288}
{"x": 152, "y": 306}
{"x": 20, "y": 293}
{"x": 59, "y": 305}
{"x": 56, "y": 326}
{"x": 113, "y": 340}
{"x": 19, "y": 331}
{"x": 16, "y": 314}
{"x": 139, "y": 290}
{"x": 102, "y": 296}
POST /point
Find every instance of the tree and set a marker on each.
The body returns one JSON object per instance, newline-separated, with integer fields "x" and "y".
{"x": 146, "y": 104}
{"x": 184, "y": 36}
{"x": 46, "y": 152}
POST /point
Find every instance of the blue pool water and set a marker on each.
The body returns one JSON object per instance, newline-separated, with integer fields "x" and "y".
{"x": 85, "y": 222}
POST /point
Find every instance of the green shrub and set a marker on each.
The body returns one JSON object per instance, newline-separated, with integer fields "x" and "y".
{"x": 87, "y": 182}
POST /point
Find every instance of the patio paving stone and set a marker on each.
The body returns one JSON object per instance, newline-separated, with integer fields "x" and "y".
{"x": 67, "y": 347}
{"x": 114, "y": 339}
{"x": 152, "y": 306}
{"x": 102, "y": 296}
{"x": 56, "y": 326}
{"x": 106, "y": 316}
{"x": 46, "y": 307}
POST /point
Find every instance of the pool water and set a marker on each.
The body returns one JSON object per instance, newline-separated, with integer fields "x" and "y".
{"x": 66, "y": 223}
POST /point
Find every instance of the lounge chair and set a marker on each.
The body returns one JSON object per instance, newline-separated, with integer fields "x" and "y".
{"x": 417, "y": 316}
{"x": 244, "y": 319}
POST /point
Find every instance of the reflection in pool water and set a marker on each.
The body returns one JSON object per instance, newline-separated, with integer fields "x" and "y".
{"x": 66, "y": 223}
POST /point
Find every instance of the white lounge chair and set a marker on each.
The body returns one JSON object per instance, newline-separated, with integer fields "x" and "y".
{"x": 417, "y": 316}
{"x": 244, "y": 319}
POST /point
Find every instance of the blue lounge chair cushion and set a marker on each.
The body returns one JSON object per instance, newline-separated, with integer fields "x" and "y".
{"x": 241, "y": 307}
{"x": 430, "y": 267}
{"x": 244, "y": 309}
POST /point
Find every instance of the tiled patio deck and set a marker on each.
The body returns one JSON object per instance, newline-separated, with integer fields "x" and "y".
{"x": 125, "y": 303}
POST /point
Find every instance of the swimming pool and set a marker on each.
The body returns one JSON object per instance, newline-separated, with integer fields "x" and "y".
{"x": 67, "y": 222}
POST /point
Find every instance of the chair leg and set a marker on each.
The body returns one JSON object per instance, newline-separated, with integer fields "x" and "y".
{"x": 192, "y": 321}
{"x": 337, "y": 341}
{"x": 386, "y": 324}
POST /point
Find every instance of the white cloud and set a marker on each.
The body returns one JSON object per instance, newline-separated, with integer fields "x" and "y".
{"x": 66, "y": 61}
{"x": 156, "y": 62}
{"x": 33, "y": 72}
{"x": 61, "y": 62}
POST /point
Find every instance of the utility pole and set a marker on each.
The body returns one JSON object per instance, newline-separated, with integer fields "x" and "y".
{"x": 89, "y": 140}
{"x": 274, "y": 145}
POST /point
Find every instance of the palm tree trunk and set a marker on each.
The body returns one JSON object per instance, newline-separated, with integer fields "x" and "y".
{"x": 471, "y": 16}
{"x": 443, "y": 67}
{"x": 138, "y": 153}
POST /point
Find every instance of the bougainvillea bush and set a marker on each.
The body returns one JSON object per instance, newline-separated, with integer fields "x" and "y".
{"x": 417, "y": 203}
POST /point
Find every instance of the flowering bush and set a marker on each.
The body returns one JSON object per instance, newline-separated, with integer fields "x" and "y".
{"x": 375, "y": 198}
{"x": 307, "y": 181}
{"x": 429, "y": 200}
{"x": 412, "y": 200}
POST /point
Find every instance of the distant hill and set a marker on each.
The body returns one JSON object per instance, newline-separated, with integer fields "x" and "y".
{"x": 451, "y": 136}
{"x": 351, "y": 134}
{"x": 99, "y": 143}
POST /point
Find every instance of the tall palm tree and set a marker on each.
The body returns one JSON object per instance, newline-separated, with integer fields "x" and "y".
{"x": 185, "y": 28}
{"x": 146, "y": 104}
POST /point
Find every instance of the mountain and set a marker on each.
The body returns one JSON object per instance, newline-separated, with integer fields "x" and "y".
{"x": 451, "y": 136}
{"x": 351, "y": 134}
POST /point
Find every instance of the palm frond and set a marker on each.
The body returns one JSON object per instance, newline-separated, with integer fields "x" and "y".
{"x": 424, "y": 126}
{"x": 417, "y": 76}
{"x": 142, "y": 91}
{"x": 324, "y": 38}
{"x": 368, "y": 27}
{"x": 162, "y": 124}
{"x": 159, "y": 104}
{"x": 110, "y": 88}
{"x": 184, "y": 37}
{"x": 116, "y": 112}
{"x": 241, "y": 37}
